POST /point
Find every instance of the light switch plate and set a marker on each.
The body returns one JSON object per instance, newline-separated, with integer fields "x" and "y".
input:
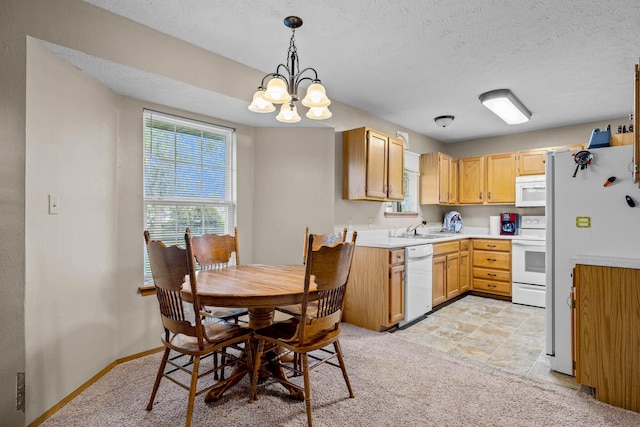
{"x": 53, "y": 204}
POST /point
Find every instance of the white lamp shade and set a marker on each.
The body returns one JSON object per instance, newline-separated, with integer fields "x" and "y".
{"x": 277, "y": 92}
{"x": 316, "y": 96}
{"x": 259, "y": 104}
{"x": 288, "y": 114}
{"x": 506, "y": 106}
{"x": 319, "y": 113}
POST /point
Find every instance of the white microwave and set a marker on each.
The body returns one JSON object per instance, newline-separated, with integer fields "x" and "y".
{"x": 531, "y": 190}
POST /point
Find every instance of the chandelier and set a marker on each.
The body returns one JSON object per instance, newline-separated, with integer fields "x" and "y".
{"x": 282, "y": 87}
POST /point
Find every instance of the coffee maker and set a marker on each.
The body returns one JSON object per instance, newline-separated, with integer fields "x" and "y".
{"x": 509, "y": 224}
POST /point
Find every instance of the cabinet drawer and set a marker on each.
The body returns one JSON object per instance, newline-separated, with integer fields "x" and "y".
{"x": 446, "y": 247}
{"x": 396, "y": 256}
{"x": 492, "y": 245}
{"x": 492, "y": 286}
{"x": 490, "y": 259}
{"x": 490, "y": 274}
{"x": 464, "y": 245}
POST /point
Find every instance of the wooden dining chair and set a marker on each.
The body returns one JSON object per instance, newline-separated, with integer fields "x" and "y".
{"x": 318, "y": 240}
{"x": 186, "y": 339}
{"x": 214, "y": 252}
{"x": 313, "y": 331}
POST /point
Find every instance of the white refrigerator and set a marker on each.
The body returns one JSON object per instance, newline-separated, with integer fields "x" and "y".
{"x": 584, "y": 217}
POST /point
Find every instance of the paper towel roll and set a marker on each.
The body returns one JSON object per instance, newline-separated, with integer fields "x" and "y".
{"x": 494, "y": 225}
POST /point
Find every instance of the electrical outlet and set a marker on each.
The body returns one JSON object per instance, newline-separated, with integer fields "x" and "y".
{"x": 350, "y": 223}
{"x": 370, "y": 222}
{"x": 20, "y": 391}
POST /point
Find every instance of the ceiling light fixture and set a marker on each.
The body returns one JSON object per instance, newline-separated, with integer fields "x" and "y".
{"x": 444, "y": 121}
{"x": 282, "y": 87}
{"x": 506, "y": 106}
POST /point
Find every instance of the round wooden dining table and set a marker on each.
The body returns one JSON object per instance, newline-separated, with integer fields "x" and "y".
{"x": 257, "y": 287}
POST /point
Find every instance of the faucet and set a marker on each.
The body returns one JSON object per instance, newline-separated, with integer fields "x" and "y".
{"x": 414, "y": 228}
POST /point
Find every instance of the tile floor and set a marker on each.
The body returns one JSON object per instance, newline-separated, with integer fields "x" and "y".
{"x": 498, "y": 333}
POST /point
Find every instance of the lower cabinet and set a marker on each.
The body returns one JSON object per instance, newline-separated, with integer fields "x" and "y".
{"x": 375, "y": 292}
{"x": 446, "y": 271}
{"x": 492, "y": 266}
{"x": 464, "y": 280}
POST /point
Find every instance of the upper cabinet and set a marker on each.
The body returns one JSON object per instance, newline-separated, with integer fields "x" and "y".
{"x": 438, "y": 179}
{"x": 373, "y": 166}
{"x": 501, "y": 178}
{"x": 531, "y": 162}
{"x": 471, "y": 176}
{"x": 487, "y": 179}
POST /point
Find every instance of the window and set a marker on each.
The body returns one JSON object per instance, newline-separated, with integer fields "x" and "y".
{"x": 410, "y": 203}
{"x": 189, "y": 179}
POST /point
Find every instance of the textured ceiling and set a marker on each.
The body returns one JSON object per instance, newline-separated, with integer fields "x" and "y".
{"x": 409, "y": 61}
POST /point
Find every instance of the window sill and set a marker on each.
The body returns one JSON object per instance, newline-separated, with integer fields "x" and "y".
{"x": 145, "y": 291}
{"x": 401, "y": 214}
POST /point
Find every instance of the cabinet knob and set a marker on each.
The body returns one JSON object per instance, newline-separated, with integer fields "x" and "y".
{"x": 491, "y": 285}
{"x": 480, "y": 196}
{"x": 491, "y": 274}
{"x": 491, "y": 246}
{"x": 491, "y": 259}
{"x": 489, "y": 195}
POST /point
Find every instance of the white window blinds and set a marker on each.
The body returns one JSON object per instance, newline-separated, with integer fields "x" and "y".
{"x": 189, "y": 178}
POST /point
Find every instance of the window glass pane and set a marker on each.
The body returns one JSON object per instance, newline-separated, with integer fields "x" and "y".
{"x": 188, "y": 179}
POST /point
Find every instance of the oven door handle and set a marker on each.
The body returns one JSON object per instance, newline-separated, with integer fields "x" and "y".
{"x": 518, "y": 242}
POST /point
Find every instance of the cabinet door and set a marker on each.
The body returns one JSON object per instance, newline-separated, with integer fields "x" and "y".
{"x": 453, "y": 275}
{"x": 465, "y": 271}
{"x": 501, "y": 178}
{"x": 376, "y": 165}
{"x": 531, "y": 162}
{"x": 444, "y": 163}
{"x": 453, "y": 181}
{"x": 439, "y": 279}
{"x": 471, "y": 180}
{"x": 396, "y": 294}
{"x": 396, "y": 170}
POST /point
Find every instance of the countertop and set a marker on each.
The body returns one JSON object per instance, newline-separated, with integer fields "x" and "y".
{"x": 606, "y": 261}
{"x": 382, "y": 238}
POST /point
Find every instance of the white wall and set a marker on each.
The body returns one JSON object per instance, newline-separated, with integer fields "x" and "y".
{"x": 70, "y": 258}
{"x": 293, "y": 186}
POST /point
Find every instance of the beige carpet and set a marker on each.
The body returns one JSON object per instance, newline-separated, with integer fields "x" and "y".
{"x": 396, "y": 383}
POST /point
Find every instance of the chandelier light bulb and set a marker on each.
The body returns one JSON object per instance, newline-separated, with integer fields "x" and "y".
{"x": 259, "y": 104}
{"x": 316, "y": 96}
{"x": 318, "y": 113}
{"x": 277, "y": 92}
{"x": 288, "y": 114}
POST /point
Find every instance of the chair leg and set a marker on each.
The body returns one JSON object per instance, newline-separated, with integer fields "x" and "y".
{"x": 215, "y": 365}
{"x": 163, "y": 364}
{"x": 253, "y": 395}
{"x": 192, "y": 390}
{"x": 338, "y": 349}
{"x": 307, "y": 387}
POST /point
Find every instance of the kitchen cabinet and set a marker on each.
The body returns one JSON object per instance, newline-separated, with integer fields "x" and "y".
{"x": 373, "y": 166}
{"x": 606, "y": 324}
{"x": 531, "y": 162}
{"x": 471, "y": 180}
{"x": 375, "y": 292}
{"x": 501, "y": 178}
{"x": 492, "y": 266}
{"x": 446, "y": 271}
{"x": 464, "y": 280}
{"x": 438, "y": 179}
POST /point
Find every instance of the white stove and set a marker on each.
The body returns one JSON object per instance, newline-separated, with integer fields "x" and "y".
{"x": 528, "y": 255}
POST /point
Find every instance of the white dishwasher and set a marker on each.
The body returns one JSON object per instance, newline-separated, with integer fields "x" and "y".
{"x": 418, "y": 275}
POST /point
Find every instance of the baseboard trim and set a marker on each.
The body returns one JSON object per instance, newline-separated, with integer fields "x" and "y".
{"x": 86, "y": 385}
